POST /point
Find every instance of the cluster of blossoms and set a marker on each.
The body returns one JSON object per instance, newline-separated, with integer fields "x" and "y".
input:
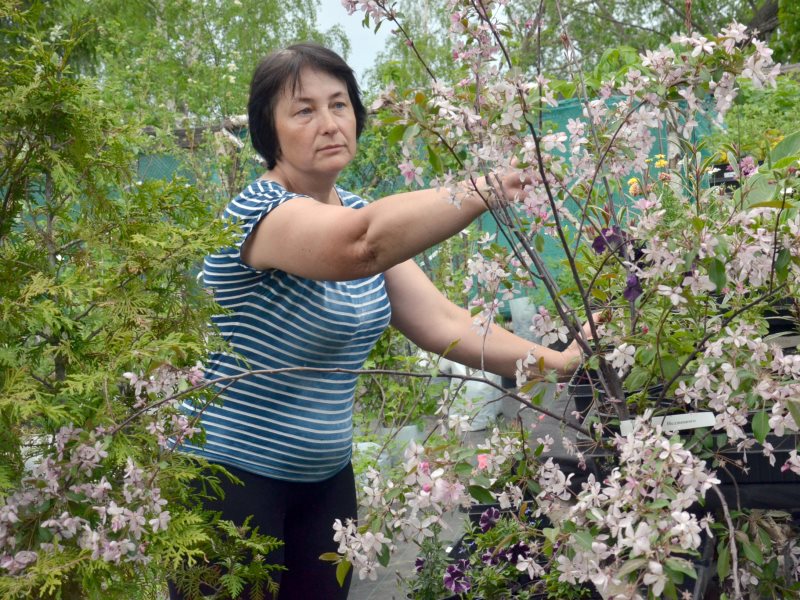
{"x": 410, "y": 506}
{"x": 689, "y": 73}
{"x": 79, "y": 507}
{"x": 516, "y": 560}
{"x": 165, "y": 382}
{"x": 83, "y": 498}
{"x": 739, "y": 372}
{"x": 544, "y": 327}
{"x": 361, "y": 549}
{"x": 375, "y": 9}
{"x": 489, "y": 272}
{"x": 640, "y": 511}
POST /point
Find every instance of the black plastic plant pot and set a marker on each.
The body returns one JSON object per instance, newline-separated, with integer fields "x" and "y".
{"x": 761, "y": 485}
{"x": 582, "y": 388}
{"x": 585, "y": 397}
{"x": 783, "y": 321}
{"x": 783, "y": 316}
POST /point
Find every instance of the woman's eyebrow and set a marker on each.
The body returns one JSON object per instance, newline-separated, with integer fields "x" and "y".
{"x": 307, "y": 99}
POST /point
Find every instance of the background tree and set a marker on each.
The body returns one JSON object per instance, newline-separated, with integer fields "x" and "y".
{"x": 597, "y": 25}
{"x": 103, "y": 317}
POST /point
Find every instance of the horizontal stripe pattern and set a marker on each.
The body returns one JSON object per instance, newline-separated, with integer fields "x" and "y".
{"x": 295, "y": 426}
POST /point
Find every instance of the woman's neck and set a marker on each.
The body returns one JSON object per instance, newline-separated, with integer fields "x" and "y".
{"x": 323, "y": 191}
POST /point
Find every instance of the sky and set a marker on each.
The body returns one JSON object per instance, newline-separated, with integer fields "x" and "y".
{"x": 364, "y": 44}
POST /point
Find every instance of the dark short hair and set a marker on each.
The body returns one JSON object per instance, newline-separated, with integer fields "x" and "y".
{"x": 282, "y": 68}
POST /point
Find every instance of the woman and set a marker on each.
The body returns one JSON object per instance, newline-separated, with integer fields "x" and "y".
{"x": 316, "y": 277}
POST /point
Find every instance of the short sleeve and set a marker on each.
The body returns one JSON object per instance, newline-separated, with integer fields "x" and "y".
{"x": 350, "y": 200}
{"x": 253, "y": 204}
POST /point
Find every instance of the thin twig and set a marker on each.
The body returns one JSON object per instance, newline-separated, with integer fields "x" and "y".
{"x": 230, "y": 379}
{"x": 737, "y": 592}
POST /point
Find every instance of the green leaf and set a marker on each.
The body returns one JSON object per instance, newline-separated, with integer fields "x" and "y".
{"x": 758, "y": 189}
{"x": 436, "y": 162}
{"x": 788, "y": 146}
{"x": 716, "y": 273}
{"x": 538, "y": 242}
{"x": 341, "y": 571}
{"x": 782, "y": 262}
{"x": 584, "y": 538}
{"x": 233, "y": 584}
{"x": 410, "y": 133}
{"x": 44, "y": 534}
{"x": 453, "y": 344}
{"x": 646, "y": 354}
{"x": 723, "y": 561}
{"x": 395, "y": 134}
{"x": 753, "y": 552}
{"x": 565, "y": 88}
{"x": 760, "y": 426}
{"x": 330, "y": 556}
{"x": 669, "y": 367}
{"x": 481, "y": 494}
{"x": 383, "y": 557}
{"x": 550, "y": 534}
{"x": 463, "y": 468}
{"x": 770, "y": 204}
{"x": 482, "y": 480}
{"x": 394, "y": 493}
{"x": 786, "y": 161}
{"x": 681, "y": 565}
{"x": 631, "y": 566}
{"x": 637, "y": 378}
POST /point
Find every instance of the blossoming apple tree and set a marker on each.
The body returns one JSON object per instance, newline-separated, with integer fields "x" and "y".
{"x": 685, "y": 271}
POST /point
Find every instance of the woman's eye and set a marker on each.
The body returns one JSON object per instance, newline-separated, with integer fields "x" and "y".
{"x": 339, "y": 105}
{"x": 304, "y": 111}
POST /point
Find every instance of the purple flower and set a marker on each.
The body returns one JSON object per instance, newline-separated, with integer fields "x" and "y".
{"x": 488, "y": 518}
{"x": 609, "y": 237}
{"x": 455, "y": 578}
{"x": 419, "y": 564}
{"x": 632, "y": 288}
{"x": 490, "y": 557}
{"x": 748, "y": 166}
{"x": 517, "y": 551}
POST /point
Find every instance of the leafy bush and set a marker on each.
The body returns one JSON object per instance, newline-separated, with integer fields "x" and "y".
{"x": 103, "y": 325}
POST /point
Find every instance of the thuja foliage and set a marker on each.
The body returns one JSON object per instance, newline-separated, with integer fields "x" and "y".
{"x": 102, "y": 322}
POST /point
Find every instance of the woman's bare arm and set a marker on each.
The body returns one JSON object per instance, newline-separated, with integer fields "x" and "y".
{"x": 431, "y": 321}
{"x": 324, "y": 242}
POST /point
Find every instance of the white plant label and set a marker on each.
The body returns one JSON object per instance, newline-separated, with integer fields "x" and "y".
{"x": 675, "y": 422}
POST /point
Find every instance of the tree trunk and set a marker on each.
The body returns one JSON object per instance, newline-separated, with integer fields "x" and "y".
{"x": 765, "y": 19}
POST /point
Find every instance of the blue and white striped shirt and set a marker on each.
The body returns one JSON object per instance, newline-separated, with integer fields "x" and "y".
{"x": 295, "y": 426}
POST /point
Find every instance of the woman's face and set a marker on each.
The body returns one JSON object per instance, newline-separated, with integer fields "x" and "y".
{"x": 316, "y": 126}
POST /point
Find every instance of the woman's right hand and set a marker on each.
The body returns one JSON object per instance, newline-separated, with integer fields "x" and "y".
{"x": 502, "y": 186}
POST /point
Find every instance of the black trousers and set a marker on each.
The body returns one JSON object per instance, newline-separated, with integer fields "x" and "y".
{"x": 299, "y": 514}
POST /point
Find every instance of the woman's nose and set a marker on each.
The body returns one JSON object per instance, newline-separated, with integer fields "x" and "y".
{"x": 327, "y": 122}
